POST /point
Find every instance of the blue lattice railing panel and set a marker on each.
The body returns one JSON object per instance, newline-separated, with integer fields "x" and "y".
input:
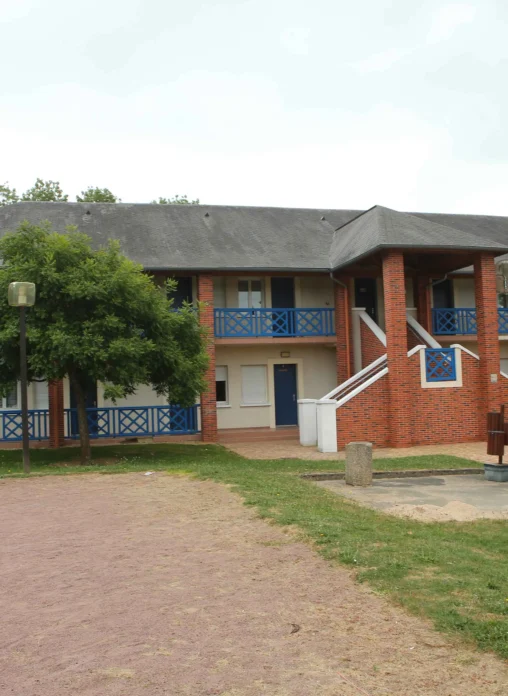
{"x": 461, "y": 321}
{"x": 440, "y": 365}
{"x": 503, "y": 320}
{"x": 10, "y": 425}
{"x": 274, "y": 322}
{"x": 452, "y": 321}
{"x": 135, "y": 421}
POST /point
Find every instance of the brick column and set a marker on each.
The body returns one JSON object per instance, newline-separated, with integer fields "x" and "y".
{"x": 208, "y": 397}
{"x": 56, "y": 414}
{"x": 423, "y": 303}
{"x": 488, "y": 332}
{"x": 342, "y": 333}
{"x": 399, "y": 388}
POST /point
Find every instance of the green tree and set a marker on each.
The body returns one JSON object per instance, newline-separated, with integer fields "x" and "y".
{"x": 97, "y": 317}
{"x": 97, "y": 195}
{"x": 177, "y": 200}
{"x": 7, "y": 194}
{"x": 45, "y": 191}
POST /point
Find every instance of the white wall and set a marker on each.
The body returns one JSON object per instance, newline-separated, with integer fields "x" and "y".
{"x": 310, "y": 291}
{"x": 316, "y": 373}
{"x": 463, "y": 292}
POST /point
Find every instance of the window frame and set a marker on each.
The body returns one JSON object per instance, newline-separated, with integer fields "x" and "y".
{"x": 249, "y": 282}
{"x": 3, "y": 401}
{"x": 222, "y": 404}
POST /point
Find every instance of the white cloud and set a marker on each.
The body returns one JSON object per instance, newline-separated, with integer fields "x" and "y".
{"x": 296, "y": 41}
{"x": 449, "y": 18}
{"x": 378, "y": 62}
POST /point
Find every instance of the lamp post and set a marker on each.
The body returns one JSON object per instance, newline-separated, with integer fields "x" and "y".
{"x": 22, "y": 295}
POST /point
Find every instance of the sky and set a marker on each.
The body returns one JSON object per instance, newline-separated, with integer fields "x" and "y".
{"x": 326, "y": 104}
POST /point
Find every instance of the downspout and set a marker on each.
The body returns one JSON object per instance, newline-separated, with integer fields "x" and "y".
{"x": 346, "y": 323}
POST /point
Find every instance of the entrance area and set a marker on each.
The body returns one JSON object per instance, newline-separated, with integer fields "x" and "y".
{"x": 286, "y": 409}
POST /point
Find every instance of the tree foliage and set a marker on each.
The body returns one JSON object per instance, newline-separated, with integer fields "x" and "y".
{"x": 97, "y": 195}
{"x": 45, "y": 191}
{"x": 7, "y": 194}
{"x": 177, "y": 200}
{"x": 97, "y": 317}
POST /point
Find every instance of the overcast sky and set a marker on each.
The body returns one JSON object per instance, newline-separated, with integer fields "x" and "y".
{"x": 312, "y": 103}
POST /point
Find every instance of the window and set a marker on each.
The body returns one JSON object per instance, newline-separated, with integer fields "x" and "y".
{"x": 221, "y": 385}
{"x": 254, "y": 391}
{"x": 11, "y": 400}
{"x": 250, "y": 294}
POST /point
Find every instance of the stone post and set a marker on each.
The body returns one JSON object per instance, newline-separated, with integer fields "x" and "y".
{"x": 359, "y": 464}
{"x": 307, "y": 420}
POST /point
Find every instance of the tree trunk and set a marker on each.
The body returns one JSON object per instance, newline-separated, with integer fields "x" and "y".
{"x": 84, "y": 435}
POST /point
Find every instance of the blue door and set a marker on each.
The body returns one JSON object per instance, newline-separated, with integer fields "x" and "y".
{"x": 286, "y": 412}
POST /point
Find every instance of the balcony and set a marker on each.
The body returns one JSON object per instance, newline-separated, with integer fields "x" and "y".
{"x": 461, "y": 321}
{"x": 274, "y": 323}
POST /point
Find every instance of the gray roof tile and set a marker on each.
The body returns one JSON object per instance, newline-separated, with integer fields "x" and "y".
{"x": 192, "y": 237}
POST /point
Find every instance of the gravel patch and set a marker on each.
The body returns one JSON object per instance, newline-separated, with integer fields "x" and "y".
{"x": 116, "y": 585}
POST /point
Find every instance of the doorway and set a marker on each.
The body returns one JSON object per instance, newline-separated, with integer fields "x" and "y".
{"x": 442, "y": 295}
{"x": 366, "y": 295}
{"x": 283, "y": 297}
{"x": 285, "y": 387}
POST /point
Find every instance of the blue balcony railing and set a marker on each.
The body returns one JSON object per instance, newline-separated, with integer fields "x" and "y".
{"x": 10, "y": 425}
{"x": 440, "y": 364}
{"x": 135, "y": 421}
{"x": 462, "y": 321}
{"x": 273, "y": 323}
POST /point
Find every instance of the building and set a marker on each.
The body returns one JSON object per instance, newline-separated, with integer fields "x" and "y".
{"x": 355, "y": 314}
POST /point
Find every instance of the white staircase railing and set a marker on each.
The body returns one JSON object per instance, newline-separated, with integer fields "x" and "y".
{"x": 420, "y": 332}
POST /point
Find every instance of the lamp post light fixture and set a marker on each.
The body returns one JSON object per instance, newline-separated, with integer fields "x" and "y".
{"x": 22, "y": 295}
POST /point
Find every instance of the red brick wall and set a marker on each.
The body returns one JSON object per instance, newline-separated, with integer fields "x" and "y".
{"x": 343, "y": 333}
{"x": 448, "y": 414}
{"x": 435, "y": 416}
{"x": 396, "y": 347}
{"x": 487, "y": 322}
{"x": 56, "y": 414}
{"x": 365, "y": 417}
{"x": 208, "y": 397}
{"x": 372, "y": 348}
{"x": 412, "y": 339}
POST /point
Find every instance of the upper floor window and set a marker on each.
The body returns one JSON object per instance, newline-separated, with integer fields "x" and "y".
{"x": 250, "y": 294}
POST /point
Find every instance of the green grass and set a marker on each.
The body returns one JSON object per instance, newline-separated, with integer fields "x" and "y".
{"x": 454, "y": 574}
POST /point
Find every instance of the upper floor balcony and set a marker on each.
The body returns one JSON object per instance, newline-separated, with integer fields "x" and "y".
{"x": 461, "y": 321}
{"x": 270, "y": 322}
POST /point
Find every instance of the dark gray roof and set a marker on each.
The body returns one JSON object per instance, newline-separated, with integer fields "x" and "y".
{"x": 380, "y": 227}
{"x": 192, "y": 237}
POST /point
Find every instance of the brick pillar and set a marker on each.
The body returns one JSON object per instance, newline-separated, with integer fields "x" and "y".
{"x": 56, "y": 414}
{"x": 208, "y": 397}
{"x": 488, "y": 332}
{"x": 399, "y": 386}
{"x": 343, "y": 333}
{"x": 423, "y": 303}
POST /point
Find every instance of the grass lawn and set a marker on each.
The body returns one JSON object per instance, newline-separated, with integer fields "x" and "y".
{"x": 455, "y": 574}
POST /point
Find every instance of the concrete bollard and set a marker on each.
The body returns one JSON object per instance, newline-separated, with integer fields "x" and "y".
{"x": 307, "y": 420}
{"x": 359, "y": 464}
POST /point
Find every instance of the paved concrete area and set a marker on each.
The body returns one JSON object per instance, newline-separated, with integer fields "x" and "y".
{"x": 290, "y": 449}
{"x": 489, "y": 499}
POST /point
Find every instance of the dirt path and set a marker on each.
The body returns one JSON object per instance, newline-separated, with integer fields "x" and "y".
{"x": 134, "y": 584}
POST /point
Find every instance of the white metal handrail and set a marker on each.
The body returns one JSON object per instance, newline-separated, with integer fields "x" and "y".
{"x": 356, "y": 378}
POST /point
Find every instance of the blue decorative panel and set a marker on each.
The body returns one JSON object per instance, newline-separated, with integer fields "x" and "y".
{"x": 440, "y": 365}
{"x": 462, "y": 321}
{"x": 10, "y": 425}
{"x": 273, "y": 322}
{"x": 137, "y": 421}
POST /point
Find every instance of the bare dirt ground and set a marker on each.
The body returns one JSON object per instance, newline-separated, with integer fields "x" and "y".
{"x": 291, "y": 449}
{"x": 130, "y": 584}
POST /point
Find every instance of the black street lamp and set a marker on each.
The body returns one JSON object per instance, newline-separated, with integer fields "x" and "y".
{"x": 22, "y": 295}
